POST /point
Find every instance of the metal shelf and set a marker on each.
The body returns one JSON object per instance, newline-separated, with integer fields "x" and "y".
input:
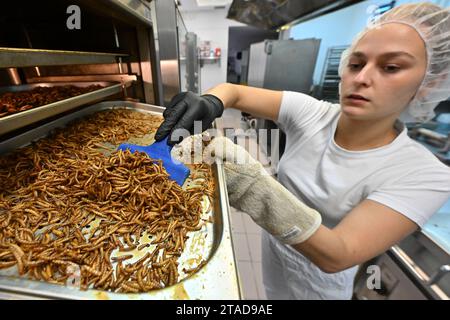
{"x": 138, "y": 9}
{"x": 21, "y": 57}
{"x": 24, "y": 118}
{"x": 330, "y": 77}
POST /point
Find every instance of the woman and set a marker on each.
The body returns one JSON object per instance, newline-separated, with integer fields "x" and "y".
{"x": 351, "y": 183}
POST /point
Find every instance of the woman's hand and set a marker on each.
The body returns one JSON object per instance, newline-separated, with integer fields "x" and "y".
{"x": 183, "y": 110}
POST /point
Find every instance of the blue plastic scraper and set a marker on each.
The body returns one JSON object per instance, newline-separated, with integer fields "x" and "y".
{"x": 161, "y": 150}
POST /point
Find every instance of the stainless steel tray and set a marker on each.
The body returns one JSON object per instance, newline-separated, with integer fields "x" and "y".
{"x": 217, "y": 279}
{"x": 24, "y": 57}
{"x": 24, "y": 118}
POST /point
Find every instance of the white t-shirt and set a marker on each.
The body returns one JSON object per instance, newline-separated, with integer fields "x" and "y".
{"x": 402, "y": 175}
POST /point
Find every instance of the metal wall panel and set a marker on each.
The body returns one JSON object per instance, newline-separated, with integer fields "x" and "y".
{"x": 257, "y": 65}
{"x": 164, "y": 19}
{"x": 192, "y": 63}
{"x": 280, "y": 65}
{"x": 290, "y": 64}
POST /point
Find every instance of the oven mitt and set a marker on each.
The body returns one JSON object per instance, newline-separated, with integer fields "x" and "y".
{"x": 252, "y": 190}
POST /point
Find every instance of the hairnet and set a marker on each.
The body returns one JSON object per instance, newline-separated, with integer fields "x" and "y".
{"x": 432, "y": 23}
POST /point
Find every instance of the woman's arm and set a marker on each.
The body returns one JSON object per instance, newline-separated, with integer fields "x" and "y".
{"x": 367, "y": 231}
{"x": 258, "y": 102}
{"x": 187, "y": 108}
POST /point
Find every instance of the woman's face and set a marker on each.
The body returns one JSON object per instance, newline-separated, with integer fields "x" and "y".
{"x": 383, "y": 73}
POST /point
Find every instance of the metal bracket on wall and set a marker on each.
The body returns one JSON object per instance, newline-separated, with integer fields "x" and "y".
{"x": 268, "y": 47}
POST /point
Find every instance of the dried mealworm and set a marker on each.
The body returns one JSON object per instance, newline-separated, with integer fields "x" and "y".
{"x": 91, "y": 270}
{"x": 122, "y": 258}
{"x": 18, "y": 254}
{"x": 131, "y": 248}
{"x": 103, "y": 279}
{"x": 58, "y": 185}
{"x": 144, "y": 245}
{"x": 6, "y": 264}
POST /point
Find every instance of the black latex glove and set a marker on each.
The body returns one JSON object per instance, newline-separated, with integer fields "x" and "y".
{"x": 184, "y": 109}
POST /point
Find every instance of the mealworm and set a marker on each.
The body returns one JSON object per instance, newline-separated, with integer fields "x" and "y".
{"x": 18, "y": 254}
{"x": 104, "y": 278}
{"x": 91, "y": 270}
{"x": 145, "y": 257}
{"x": 127, "y": 288}
{"x": 122, "y": 258}
{"x": 144, "y": 245}
{"x": 127, "y": 239}
{"x": 6, "y": 264}
{"x": 131, "y": 248}
{"x": 140, "y": 280}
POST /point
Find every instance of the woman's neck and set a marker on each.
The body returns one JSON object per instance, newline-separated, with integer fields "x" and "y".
{"x": 356, "y": 135}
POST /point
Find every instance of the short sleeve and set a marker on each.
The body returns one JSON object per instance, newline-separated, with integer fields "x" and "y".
{"x": 416, "y": 195}
{"x": 298, "y": 110}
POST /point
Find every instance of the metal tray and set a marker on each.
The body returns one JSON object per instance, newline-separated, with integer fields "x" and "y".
{"x": 217, "y": 279}
{"x": 24, "y": 118}
{"x": 24, "y": 57}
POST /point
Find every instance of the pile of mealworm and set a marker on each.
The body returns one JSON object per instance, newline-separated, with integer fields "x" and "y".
{"x": 13, "y": 102}
{"x": 53, "y": 189}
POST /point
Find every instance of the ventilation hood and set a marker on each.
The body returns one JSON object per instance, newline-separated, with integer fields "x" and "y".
{"x": 273, "y": 14}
